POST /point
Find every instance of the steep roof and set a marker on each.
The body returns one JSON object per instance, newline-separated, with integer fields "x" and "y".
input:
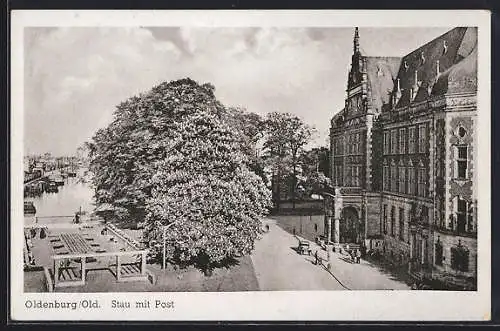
{"x": 460, "y": 78}
{"x": 381, "y": 72}
{"x": 452, "y": 53}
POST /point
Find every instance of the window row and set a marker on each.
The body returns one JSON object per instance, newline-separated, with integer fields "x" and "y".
{"x": 389, "y": 222}
{"x": 459, "y": 256}
{"x": 351, "y": 144}
{"x": 406, "y": 180}
{"x": 351, "y": 177}
{"x": 406, "y": 140}
{"x": 463, "y": 218}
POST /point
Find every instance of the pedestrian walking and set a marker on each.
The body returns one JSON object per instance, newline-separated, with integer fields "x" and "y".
{"x": 358, "y": 256}
{"x": 316, "y": 257}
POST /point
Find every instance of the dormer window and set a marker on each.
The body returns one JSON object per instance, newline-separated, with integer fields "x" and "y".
{"x": 445, "y": 47}
{"x": 422, "y": 58}
{"x": 406, "y": 66}
{"x": 430, "y": 85}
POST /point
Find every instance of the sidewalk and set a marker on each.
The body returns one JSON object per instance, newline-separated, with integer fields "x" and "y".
{"x": 362, "y": 276}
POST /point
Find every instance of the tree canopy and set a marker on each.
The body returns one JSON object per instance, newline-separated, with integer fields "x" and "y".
{"x": 176, "y": 154}
{"x": 286, "y": 136}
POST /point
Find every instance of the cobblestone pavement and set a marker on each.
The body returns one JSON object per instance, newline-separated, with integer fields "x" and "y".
{"x": 279, "y": 267}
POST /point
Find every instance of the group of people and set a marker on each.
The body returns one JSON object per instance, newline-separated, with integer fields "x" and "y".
{"x": 355, "y": 254}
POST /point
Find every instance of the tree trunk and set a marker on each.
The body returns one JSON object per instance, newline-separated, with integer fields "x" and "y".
{"x": 278, "y": 190}
{"x": 294, "y": 179}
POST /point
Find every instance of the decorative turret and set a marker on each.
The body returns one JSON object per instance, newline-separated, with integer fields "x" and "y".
{"x": 397, "y": 94}
{"x": 416, "y": 86}
{"x": 356, "y": 40}
{"x": 355, "y": 74}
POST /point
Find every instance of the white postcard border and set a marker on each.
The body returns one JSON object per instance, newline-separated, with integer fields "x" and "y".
{"x": 281, "y": 305}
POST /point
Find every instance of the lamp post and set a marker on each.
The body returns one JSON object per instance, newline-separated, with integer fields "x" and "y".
{"x": 165, "y": 227}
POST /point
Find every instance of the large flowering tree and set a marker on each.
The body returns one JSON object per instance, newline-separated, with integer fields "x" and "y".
{"x": 175, "y": 156}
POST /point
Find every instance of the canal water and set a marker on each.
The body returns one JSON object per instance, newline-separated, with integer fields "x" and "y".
{"x": 73, "y": 195}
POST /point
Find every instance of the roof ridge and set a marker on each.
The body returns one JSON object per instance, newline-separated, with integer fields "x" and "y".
{"x": 440, "y": 36}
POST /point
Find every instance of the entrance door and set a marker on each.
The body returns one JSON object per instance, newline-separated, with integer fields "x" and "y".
{"x": 351, "y": 230}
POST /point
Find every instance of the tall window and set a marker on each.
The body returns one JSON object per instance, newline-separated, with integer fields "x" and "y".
{"x": 387, "y": 139}
{"x": 385, "y": 178}
{"x": 402, "y": 180}
{"x": 361, "y": 141}
{"x": 353, "y": 144}
{"x": 393, "y": 220}
{"x": 460, "y": 258}
{"x": 461, "y": 163}
{"x": 438, "y": 258}
{"x": 341, "y": 146}
{"x": 357, "y": 175}
{"x": 422, "y": 138}
{"x": 394, "y": 141}
{"x": 411, "y": 181}
{"x": 393, "y": 178}
{"x": 401, "y": 224}
{"x": 422, "y": 182}
{"x": 348, "y": 178}
{"x": 461, "y": 213}
{"x": 355, "y": 178}
{"x": 357, "y": 143}
{"x": 402, "y": 141}
{"x": 385, "y": 220}
{"x": 340, "y": 178}
{"x": 411, "y": 139}
{"x": 336, "y": 174}
{"x": 470, "y": 217}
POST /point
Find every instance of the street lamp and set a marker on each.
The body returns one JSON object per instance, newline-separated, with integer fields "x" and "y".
{"x": 165, "y": 227}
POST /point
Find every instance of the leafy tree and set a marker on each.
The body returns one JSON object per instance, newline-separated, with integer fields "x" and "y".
{"x": 172, "y": 155}
{"x": 250, "y": 128}
{"x": 316, "y": 160}
{"x": 286, "y": 135}
{"x": 315, "y": 164}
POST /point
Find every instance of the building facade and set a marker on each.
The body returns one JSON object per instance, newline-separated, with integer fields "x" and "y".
{"x": 403, "y": 158}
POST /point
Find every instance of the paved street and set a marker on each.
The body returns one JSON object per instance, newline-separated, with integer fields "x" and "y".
{"x": 278, "y": 267}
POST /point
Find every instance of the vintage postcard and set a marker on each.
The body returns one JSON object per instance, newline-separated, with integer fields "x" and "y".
{"x": 250, "y": 165}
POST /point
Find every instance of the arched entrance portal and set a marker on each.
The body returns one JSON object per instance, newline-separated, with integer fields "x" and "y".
{"x": 351, "y": 227}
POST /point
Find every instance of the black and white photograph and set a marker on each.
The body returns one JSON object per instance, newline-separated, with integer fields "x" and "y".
{"x": 229, "y": 158}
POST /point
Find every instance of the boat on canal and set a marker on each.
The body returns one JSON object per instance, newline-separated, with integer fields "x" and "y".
{"x": 52, "y": 187}
{"x": 57, "y": 178}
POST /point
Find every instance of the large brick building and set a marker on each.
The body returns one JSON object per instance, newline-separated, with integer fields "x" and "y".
{"x": 404, "y": 157}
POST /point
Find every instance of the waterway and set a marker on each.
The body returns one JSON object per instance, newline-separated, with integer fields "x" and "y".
{"x": 76, "y": 193}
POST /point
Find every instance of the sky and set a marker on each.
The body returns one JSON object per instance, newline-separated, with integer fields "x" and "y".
{"x": 74, "y": 77}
